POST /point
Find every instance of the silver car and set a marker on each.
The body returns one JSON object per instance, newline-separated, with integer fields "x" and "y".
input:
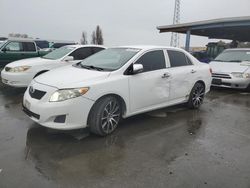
{"x": 232, "y": 69}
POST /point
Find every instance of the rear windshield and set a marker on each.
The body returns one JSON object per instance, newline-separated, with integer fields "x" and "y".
{"x": 234, "y": 56}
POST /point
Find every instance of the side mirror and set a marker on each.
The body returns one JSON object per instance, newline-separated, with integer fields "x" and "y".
{"x": 4, "y": 50}
{"x": 68, "y": 58}
{"x": 137, "y": 68}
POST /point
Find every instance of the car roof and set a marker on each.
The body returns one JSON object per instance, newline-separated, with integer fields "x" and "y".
{"x": 21, "y": 39}
{"x": 86, "y": 45}
{"x": 150, "y": 47}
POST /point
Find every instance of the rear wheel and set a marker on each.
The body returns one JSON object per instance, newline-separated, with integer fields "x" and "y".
{"x": 248, "y": 88}
{"x": 196, "y": 96}
{"x": 105, "y": 116}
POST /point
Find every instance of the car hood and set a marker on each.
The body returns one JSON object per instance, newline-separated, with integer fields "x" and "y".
{"x": 70, "y": 77}
{"x": 30, "y": 62}
{"x": 224, "y": 67}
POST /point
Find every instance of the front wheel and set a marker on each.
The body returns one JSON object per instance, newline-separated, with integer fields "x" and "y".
{"x": 196, "y": 96}
{"x": 105, "y": 116}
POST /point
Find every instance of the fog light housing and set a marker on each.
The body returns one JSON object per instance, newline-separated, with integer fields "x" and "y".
{"x": 60, "y": 119}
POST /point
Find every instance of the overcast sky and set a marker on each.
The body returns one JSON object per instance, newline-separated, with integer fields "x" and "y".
{"x": 123, "y": 22}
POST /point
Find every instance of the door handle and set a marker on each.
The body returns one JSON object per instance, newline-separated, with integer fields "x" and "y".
{"x": 166, "y": 75}
{"x": 193, "y": 71}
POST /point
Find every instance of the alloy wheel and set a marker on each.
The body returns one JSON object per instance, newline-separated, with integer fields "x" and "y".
{"x": 110, "y": 117}
{"x": 198, "y": 95}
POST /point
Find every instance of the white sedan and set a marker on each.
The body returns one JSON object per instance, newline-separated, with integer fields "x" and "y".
{"x": 113, "y": 84}
{"x": 20, "y": 73}
{"x": 232, "y": 69}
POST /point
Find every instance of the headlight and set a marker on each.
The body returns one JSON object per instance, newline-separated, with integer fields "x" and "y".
{"x": 65, "y": 94}
{"x": 247, "y": 75}
{"x": 237, "y": 74}
{"x": 241, "y": 75}
{"x": 19, "y": 69}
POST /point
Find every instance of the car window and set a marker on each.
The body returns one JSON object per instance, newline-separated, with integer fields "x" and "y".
{"x": 152, "y": 61}
{"x": 14, "y": 46}
{"x": 178, "y": 59}
{"x": 81, "y": 53}
{"x": 189, "y": 62}
{"x": 59, "y": 53}
{"x": 96, "y": 49}
{"x": 29, "y": 47}
{"x": 234, "y": 56}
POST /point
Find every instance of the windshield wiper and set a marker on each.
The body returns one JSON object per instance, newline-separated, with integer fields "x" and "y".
{"x": 217, "y": 60}
{"x": 91, "y": 67}
{"x": 235, "y": 61}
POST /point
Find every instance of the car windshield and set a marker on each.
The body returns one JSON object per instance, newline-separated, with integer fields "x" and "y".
{"x": 58, "y": 53}
{"x": 1, "y": 43}
{"x": 234, "y": 56}
{"x": 110, "y": 59}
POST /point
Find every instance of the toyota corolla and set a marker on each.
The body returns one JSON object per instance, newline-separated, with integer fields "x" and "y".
{"x": 113, "y": 84}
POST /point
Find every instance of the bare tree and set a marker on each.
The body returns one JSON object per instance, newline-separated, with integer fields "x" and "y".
{"x": 84, "y": 38}
{"x": 93, "y": 38}
{"x": 99, "y": 38}
{"x": 96, "y": 37}
{"x": 18, "y": 35}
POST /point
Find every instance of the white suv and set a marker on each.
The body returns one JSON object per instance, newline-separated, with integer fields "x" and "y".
{"x": 113, "y": 84}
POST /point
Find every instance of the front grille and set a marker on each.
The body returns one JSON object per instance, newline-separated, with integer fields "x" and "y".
{"x": 225, "y": 76}
{"x": 30, "y": 114}
{"x": 7, "y": 69}
{"x": 35, "y": 93}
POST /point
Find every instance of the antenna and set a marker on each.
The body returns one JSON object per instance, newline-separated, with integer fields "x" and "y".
{"x": 175, "y": 38}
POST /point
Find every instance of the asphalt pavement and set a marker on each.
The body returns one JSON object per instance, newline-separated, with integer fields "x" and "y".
{"x": 171, "y": 147}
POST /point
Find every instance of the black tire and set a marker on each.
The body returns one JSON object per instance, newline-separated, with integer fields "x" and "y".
{"x": 105, "y": 116}
{"x": 196, "y": 96}
{"x": 248, "y": 88}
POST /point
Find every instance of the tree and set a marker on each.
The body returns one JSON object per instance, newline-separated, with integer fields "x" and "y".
{"x": 84, "y": 38}
{"x": 93, "y": 38}
{"x": 18, "y": 35}
{"x": 96, "y": 37}
{"x": 99, "y": 38}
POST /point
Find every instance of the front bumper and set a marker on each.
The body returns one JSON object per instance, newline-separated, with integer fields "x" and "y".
{"x": 21, "y": 79}
{"x": 232, "y": 82}
{"x": 75, "y": 111}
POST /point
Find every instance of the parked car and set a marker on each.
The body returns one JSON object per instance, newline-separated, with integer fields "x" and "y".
{"x": 113, "y": 84}
{"x": 15, "y": 49}
{"x": 20, "y": 73}
{"x": 61, "y": 44}
{"x": 231, "y": 69}
{"x": 42, "y": 44}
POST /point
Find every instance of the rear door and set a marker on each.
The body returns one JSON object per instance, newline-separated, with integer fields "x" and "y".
{"x": 182, "y": 74}
{"x": 149, "y": 88}
{"x": 29, "y": 50}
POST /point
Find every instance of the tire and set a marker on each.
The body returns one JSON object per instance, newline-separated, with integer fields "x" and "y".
{"x": 105, "y": 116}
{"x": 196, "y": 96}
{"x": 248, "y": 88}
